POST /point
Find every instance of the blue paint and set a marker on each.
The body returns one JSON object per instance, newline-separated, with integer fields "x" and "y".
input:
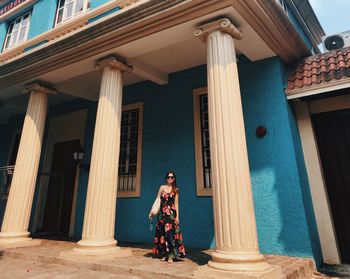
{"x": 278, "y": 185}
{"x": 168, "y": 143}
{"x": 42, "y": 18}
{"x": 36, "y": 45}
{"x": 96, "y": 3}
{"x": 111, "y": 11}
{"x": 299, "y": 29}
{"x": 3, "y": 32}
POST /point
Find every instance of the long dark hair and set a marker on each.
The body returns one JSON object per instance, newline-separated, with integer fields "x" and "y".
{"x": 174, "y": 185}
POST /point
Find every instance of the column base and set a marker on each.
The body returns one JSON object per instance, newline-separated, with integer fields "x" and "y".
{"x": 272, "y": 272}
{"x": 95, "y": 253}
{"x": 15, "y": 240}
{"x": 238, "y": 261}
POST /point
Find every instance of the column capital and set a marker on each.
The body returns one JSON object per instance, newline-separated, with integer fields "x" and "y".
{"x": 113, "y": 62}
{"x": 223, "y": 24}
{"x": 38, "y": 87}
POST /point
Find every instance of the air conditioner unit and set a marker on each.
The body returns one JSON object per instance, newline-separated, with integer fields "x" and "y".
{"x": 336, "y": 41}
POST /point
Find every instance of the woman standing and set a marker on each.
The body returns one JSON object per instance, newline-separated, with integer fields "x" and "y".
{"x": 168, "y": 237}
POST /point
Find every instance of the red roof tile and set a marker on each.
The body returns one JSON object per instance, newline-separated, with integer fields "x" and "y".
{"x": 320, "y": 68}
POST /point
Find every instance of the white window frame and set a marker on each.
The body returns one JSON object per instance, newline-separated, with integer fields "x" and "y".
{"x": 201, "y": 190}
{"x": 65, "y": 10}
{"x": 137, "y": 191}
{"x": 8, "y": 34}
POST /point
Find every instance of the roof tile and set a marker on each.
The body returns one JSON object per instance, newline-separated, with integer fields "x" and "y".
{"x": 320, "y": 68}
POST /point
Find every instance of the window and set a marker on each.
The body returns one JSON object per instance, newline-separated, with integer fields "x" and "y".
{"x": 69, "y": 8}
{"x": 17, "y": 31}
{"x": 202, "y": 142}
{"x": 129, "y": 171}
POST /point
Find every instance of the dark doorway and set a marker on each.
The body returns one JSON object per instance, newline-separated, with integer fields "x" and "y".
{"x": 333, "y": 137}
{"x": 60, "y": 191}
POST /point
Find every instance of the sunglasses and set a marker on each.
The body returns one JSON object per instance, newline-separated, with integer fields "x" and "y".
{"x": 170, "y": 177}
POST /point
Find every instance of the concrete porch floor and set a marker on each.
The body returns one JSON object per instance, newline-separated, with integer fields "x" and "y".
{"x": 43, "y": 262}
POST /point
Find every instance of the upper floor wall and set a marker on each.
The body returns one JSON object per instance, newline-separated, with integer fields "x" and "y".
{"x": 22, "y": 20}
{"x": 305, "y": 21}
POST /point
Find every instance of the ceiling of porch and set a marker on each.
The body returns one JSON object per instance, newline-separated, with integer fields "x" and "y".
{"x": 153, "y": 57}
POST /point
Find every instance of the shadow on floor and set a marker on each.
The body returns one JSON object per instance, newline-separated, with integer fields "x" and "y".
{"x": 200, "y": 257}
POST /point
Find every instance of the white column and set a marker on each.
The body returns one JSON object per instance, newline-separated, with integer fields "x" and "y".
{"x": 234, "y": 218}
{"x": 14, "y": 230}
{"x": 99, "y": 218}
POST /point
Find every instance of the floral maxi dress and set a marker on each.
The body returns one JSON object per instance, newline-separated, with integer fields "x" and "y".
{"x": 168, "y": 237}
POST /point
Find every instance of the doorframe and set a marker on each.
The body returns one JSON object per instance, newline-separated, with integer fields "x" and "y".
{"x": 64, "y": 127}
{"x": 323, "y": 214}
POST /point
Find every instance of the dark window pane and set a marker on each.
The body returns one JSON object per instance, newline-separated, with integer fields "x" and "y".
{"x": 203, "y": 101}
{"x": 128, "y": 150}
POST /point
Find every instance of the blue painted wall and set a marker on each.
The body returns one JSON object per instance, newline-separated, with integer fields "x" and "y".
{"x": 42, "y": 18}
{"x": 168, "y": 143}
{"x": 3, "y": 31}
{"x": 96, "y": 3}
{"x": 299, "y": 29}
{"x": 285, "y": 223}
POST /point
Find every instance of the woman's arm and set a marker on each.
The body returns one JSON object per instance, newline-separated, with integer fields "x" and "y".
{"x": 177, "y": 220}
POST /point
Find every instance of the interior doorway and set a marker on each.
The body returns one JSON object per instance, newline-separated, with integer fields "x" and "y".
{"x": 332, "y": 130}
{"x": 60, "y": 192}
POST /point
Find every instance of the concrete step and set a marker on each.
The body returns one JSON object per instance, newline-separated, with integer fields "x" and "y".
{"x": 142, "y": 265}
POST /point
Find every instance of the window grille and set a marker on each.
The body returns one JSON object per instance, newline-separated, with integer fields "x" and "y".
{"x": 17, "y": 31}
{"x": 69, "y": 8}
{"x": 128, "y": 150}
{"x": 204, "y": 121}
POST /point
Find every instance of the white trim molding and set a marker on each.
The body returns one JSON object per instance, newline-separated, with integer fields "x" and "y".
{"x": 317, "y": 184}
{"x": 318, "y": 89}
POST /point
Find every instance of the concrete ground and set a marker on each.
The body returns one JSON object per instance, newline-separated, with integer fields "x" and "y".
{"x": 11, "y": 268}
{"x": 43, "y": 261}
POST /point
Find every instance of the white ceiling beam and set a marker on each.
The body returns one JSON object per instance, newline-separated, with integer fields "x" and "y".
{"x": 147, "y": 71}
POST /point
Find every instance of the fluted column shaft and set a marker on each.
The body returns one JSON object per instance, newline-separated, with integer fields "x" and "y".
{"x": 16, "y": 219}
{"x": 234, "y": 217}
{"x": 100, "y": 208}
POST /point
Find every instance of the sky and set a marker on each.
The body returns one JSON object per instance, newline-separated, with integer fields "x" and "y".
{"x": 334, "y": 15}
